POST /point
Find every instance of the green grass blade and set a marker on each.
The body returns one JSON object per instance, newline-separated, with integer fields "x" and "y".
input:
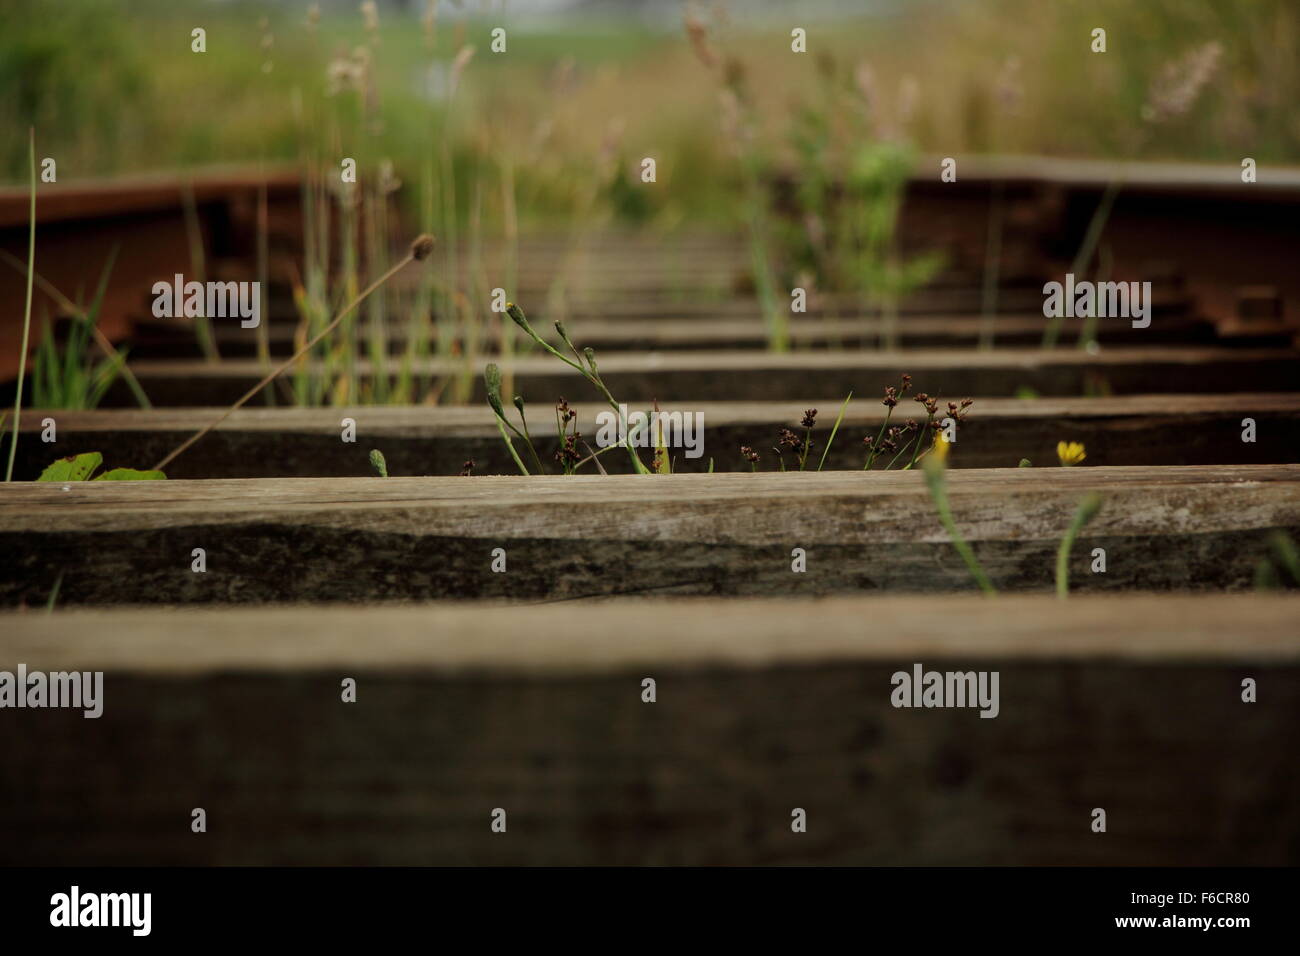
{"x": 839, "y": 418}
{"x": 1087, "y": 510}
{"x": 27, "y": 311}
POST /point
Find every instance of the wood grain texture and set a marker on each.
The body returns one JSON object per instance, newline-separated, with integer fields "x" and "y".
{"x": 559, "y": 640}
{"x": 306, "y": 442}
{"x": 165, "y": 339}
{"x": 750, "y": 376}
{"x": 1132, "y": 705}
{"x": 728, "y": 534}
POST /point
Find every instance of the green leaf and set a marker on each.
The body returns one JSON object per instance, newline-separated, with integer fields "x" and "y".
{"x": 130, "y": 474}
{"x": 73, "y": 468}
{"x": 378, "y": 462}
{"x": 492, "y": 383}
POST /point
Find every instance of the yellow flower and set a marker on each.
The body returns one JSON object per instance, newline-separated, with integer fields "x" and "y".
{"x": 1070, "y": 453}
{"x": 941, "y": 447}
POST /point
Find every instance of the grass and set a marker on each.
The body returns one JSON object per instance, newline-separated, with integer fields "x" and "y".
{"x": 585, "y": 365}
{"x": 935, "y": 471}
{"x": 27, "y": 309}
{"x": 1087, "y": 510}
{"x": 149, "y": 103}
{"x": 420, "y": 250}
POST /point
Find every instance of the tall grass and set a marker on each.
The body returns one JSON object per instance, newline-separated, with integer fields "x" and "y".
{"x": 27, "y": 309}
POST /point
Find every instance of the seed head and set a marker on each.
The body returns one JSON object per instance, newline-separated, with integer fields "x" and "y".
{"x": 699, "y": 37}
{"x": 422, "y": 246}
{"x": 809, "y": 418}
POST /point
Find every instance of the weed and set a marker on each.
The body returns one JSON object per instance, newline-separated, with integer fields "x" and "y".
{"x": 81, "y": 467}
{"x": 1280, "y": 568}
{"x": 936, "y": 480}
{"x": 585, "y": 365}
{"x": 54, "y": 390}
{"x": 1170, "y": 95}
{"x": 198, "y": 270}
{"x": 739, "y": 133}
{"x": 27, "y": 311}
{"x": 420, "y": 250}
{"x": 1087, "y": 510}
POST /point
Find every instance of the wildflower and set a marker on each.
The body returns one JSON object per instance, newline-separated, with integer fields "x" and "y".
{"x": 370, "y": 13}
{"x": 467, "y": 469}
{"x": 941, "y": 448}
{"x": 891, "y": 397}
{"x": 1174, "y": 91}
{"x": 343, "y": 74}
{"x": 809, "y": 418}
{"x": 1070, "y": 453}
{"x": 699, "y": 37}
{"x": 749, "y": 454}
{"x": 569, "y": 455}
{"x": 789, "y": 438}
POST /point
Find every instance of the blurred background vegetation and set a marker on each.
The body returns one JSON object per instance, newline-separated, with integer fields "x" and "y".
{"x": 588, "y": 88}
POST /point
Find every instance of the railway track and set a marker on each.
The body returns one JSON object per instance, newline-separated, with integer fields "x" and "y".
{"x": 500, "y": 627}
